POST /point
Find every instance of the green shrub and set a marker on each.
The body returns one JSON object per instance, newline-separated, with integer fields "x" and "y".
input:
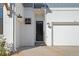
{"x": 4, "y": 51}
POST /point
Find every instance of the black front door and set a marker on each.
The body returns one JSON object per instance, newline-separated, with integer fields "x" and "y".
{"x": 39, "y": 30}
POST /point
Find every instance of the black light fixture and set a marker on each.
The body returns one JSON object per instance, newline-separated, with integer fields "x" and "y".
{"x": 49, "y": 26}
{"x": 19, "y": 16}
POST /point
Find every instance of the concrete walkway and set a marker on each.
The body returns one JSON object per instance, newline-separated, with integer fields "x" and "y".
{"x": 47, "y": 51}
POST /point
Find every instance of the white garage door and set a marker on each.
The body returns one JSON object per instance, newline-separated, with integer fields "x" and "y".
{"x": 65, "y": 35}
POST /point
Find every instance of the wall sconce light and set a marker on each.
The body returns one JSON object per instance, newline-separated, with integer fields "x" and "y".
{"x": 19, "y": 16}
{"x": 49, "y": 26}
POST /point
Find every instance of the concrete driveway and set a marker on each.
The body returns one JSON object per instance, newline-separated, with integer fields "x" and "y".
{"x": 48, "y": 51}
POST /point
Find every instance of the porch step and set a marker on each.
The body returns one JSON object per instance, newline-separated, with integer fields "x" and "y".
{"x": 40, "y": 43}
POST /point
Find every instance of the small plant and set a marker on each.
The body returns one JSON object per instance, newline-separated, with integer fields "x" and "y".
{"x": 4, "y": 51}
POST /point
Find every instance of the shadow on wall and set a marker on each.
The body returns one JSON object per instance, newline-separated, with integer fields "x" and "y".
{"x": 48, "y": 10}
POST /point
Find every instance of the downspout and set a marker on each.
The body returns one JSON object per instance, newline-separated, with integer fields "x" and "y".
{"x": 14, "y": 48}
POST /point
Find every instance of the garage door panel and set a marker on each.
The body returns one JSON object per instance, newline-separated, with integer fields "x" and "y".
{"x": 66, "y": 35}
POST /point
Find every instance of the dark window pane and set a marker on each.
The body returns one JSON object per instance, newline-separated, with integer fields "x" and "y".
{"x": 1, "y": 26}
{"x": 1, "y": 19}
{"x": 1, "y": 13}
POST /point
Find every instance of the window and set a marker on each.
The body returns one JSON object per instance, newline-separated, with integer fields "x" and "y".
{"x": 27, "y": 20}
{"x": 1, "y": 19}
